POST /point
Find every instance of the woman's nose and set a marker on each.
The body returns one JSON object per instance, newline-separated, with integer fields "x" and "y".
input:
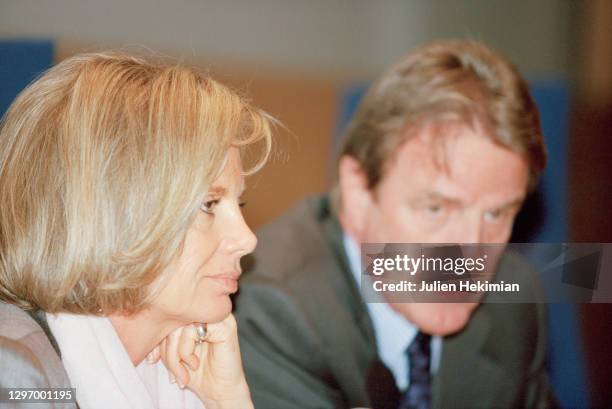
{"x": 242, "y": 240}
{"x": 248, "y": 240}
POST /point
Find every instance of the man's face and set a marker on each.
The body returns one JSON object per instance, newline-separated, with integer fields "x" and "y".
{"x": 447, "y": 184}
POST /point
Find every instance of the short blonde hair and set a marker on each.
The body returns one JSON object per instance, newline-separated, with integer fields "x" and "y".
{"x": 447, "y": 80}
{"x": 104, "y": 162}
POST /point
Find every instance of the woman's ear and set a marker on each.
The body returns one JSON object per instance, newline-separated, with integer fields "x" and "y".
{"x": 355, "y": 197}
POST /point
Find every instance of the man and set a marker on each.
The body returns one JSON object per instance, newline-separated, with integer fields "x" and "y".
{"x": 443, "y": 149}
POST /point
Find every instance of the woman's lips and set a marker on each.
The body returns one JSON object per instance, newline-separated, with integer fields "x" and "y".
{"x": 228, "y": 281}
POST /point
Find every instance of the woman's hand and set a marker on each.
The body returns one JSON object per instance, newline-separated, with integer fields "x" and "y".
{"x": 212, "y": 369}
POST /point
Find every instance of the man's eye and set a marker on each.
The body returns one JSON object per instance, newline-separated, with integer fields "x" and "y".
{"x": 209, "y": 206}
{"x": 493, "y": 215}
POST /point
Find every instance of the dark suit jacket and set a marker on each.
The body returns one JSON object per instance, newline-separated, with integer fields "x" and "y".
{"x": 307, "y": 340}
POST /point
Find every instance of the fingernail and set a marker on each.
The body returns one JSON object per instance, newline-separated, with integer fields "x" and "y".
{"x": 172, "y": 379}
{"x": 150, "y": 358}
{"x": 180, "y": 385}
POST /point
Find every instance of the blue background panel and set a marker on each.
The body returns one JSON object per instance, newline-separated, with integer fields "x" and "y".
{"x": 20, "y": 63}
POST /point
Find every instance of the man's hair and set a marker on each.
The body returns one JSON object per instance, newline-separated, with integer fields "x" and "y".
{"x": 460, "y": 81}
{"x": 104, "y": 163}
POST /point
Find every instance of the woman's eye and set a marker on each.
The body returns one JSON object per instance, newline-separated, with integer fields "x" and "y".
{"x": 434, "y": 209}
{"x": 209, "y": 206}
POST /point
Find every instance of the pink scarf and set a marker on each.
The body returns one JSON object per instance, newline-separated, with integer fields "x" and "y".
{"x": 103, "y": 374}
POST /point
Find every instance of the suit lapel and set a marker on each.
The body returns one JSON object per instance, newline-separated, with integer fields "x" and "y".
{"x": 467, "y": 373}
{"x": 376, "y": 383}
{"x": 344, "y": 283}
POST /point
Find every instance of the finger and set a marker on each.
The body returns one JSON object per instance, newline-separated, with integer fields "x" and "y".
{"x": 222, "y": 344}
{"x": 220, "y": 354}
{"x": 187, "y": 347}
{"x": 154, "y": 355}
{"x": 223, "y": 331}
{"x": 173, "y": 360}
{"x": 163, "y": 346}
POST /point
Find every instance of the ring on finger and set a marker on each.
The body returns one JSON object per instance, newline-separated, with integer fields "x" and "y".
{"x": 201, "y": 332}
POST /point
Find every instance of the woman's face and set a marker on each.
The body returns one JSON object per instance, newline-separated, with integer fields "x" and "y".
{"x": 206, "y": 272}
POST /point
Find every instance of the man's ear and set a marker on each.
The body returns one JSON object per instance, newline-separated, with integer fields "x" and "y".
{"x": 356, "y": 198}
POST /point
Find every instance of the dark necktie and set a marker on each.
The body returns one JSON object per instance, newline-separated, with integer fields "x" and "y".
{"x": 419, "y": 354}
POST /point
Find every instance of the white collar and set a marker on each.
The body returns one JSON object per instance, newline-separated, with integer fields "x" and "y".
{"x": 102, "y": 372}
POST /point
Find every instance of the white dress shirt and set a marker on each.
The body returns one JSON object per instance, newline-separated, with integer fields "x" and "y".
{"x": 393, "y": 332}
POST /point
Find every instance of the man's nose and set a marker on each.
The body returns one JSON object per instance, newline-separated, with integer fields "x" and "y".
{"x": 469, "y": 230}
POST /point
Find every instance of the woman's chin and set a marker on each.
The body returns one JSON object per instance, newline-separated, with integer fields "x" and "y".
{"x": 217, "y": 310}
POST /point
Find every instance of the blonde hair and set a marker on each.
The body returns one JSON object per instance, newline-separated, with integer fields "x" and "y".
{"x": 448, "y": 80}
{"x": 104, "y": 162}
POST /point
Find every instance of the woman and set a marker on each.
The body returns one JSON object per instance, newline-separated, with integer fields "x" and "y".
{"x": 120, "y": 227}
